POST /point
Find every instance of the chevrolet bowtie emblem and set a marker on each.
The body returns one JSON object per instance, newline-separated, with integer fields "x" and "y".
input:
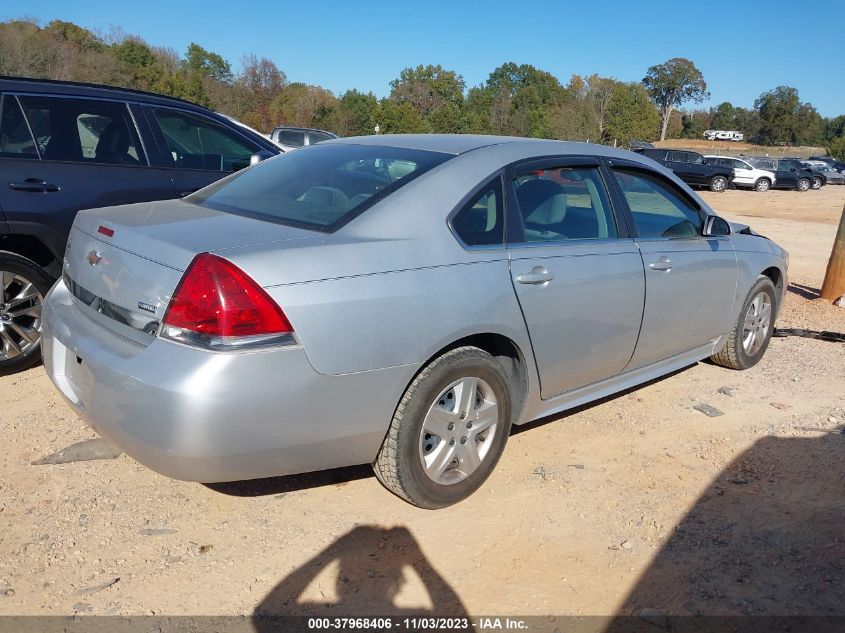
{"x": 94, "y": 258}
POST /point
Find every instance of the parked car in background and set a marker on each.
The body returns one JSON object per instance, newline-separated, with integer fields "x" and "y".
{"x": 691, "y": 167}
{"x": 787, "y": 176}
{"x": 817, "y": 177}
{"x": 831, "y": 162}
{"x": 366, "y": 301}
{"x": 830, "y": 175}
{"x": 69, "y": 146}
{"x": 289, "y": 138}
{"x": 746, "y": 175}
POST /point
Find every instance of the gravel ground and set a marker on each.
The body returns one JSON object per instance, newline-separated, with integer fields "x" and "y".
{"x": 638, "y": 502}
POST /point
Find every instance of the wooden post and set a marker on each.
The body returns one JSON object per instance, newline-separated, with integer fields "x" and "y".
{"x": 834, "y": 279}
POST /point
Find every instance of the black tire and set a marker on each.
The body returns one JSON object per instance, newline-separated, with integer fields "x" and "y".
{"x": 398, "y": 465}
{"x": 734, "y": 355}
{"x": 817, "y": 182}
{"x": 803, "y": 184}
{"x": 12, "y": 360}
{"x": 718, "y": 183}
{"x": 762, "y": 184}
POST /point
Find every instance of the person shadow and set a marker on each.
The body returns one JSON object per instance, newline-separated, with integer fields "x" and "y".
{"x": 762, "y": 549}
{"x": 361, "y": 574}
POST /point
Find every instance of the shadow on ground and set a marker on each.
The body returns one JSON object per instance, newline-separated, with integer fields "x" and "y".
{"x": 361, "y": 574}
{"x": 766, "y": 538}
{"x": 807, "y": 292}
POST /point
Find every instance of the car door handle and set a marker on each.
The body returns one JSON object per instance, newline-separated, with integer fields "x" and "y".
{"x": 538, "y": 276}
{"x": 663, "y": 264}
{"x": 33, "y": 184}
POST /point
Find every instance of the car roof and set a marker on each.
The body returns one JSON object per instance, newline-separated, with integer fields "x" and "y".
{"x": 28, "y": 84}
{"x": 462, "y": 143}
{"x": 297, "y": 128}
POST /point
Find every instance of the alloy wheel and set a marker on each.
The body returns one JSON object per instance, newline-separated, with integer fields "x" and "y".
{"x": 458, "y": 430}
{"x": 758, "y": 320}
{"x": 20, "y": 315}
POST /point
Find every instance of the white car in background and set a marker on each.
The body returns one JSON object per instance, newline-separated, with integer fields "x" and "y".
{"x": 746, "y": 174}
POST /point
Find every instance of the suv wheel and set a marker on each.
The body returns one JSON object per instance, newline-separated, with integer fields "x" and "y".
{"x": 762, "y": 184}
{"x": 718, "y": 183}
{"x": 23, "y": 285}
{"x": 803, "y": 184}
{"x": 817, "y": 182}
{"x": 449, "y": 430}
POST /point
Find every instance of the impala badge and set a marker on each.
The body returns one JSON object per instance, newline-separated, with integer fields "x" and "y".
{"x": 94, "y": 258}
{"x": 146, "y": 307}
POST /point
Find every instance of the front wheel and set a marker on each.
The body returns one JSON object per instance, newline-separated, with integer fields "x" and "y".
{"x": 763, "y": 184}
{"x": 817, "y": 182}
{"x": 718, "y": 183}
{"x": 803, "y": 184}
{"x": 449, "y": 430}
{"x": 23, "y": 285}
{"x": 750, "y": 337}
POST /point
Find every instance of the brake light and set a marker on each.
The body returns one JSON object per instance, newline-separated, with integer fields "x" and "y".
{"x": 218, "y": 305}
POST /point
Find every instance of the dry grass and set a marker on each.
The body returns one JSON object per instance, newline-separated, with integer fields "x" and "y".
{"x": 734, "y": 149}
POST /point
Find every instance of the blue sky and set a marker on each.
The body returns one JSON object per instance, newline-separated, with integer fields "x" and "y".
{"x": 742, "y": 47}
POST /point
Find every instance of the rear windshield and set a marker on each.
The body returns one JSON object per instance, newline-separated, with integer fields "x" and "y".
{"x": 321, "y": 187}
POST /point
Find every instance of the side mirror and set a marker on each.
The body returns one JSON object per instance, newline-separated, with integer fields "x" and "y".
{"x": 714, "y": 226}
{"x": 257, "y": 157}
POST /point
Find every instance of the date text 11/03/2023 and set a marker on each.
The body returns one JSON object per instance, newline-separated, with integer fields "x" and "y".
{"x": 418, "y": 624}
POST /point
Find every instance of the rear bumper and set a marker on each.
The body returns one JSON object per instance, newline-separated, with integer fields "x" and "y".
{"x": 204, "y": 416}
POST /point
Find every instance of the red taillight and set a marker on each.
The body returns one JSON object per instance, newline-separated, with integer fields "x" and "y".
{"x": 217, "y": 299}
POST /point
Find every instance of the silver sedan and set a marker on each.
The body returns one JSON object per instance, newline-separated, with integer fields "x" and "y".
{"x": 395, "y": 300}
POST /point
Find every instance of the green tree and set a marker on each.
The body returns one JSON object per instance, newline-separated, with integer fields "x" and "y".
{"x": 435, "y": 94}
{"x": 357, "y": 113}
{"x": 141, "y": 68}
{"x": 400, "y": 118}
{"x": 672, "y": 84}
{"x": 784, "y": 119}
{"x": 631, "y": 115}
{"x": 80, "y": 37}
{"x": 200, "y": 61}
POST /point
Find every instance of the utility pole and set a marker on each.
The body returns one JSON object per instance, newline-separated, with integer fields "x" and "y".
{"x": 834, "y": 279}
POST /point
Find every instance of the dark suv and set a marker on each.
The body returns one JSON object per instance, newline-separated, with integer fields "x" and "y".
{"x": 691, "y": 167}
{"x": 66, "y": 147}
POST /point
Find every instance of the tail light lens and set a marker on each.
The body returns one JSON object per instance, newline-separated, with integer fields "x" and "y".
{"x": 218, "y": 306}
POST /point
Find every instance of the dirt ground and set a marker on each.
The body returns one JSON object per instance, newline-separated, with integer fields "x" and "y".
{"x": 637, "y": 502}
{"x": 733, "y": 148}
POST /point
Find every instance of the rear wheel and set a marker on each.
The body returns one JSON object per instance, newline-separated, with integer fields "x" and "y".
{"x": 817, "y": 182}
{"x": 718, "y": 183}
{"x": 762, "y": 184}
{"x": 449, "y": 430}
{"x": 750, "y": 337}
{"x": 23, "y": 284}
{"x": 803, "y": 184}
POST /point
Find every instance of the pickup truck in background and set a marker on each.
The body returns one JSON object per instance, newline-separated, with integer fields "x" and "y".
{"x": 692, "y": 168}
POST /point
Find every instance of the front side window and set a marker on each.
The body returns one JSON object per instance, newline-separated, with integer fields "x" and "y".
{"x": 83, "y": 130}
{"x": 659, "y": 208}
{"x": 15, "y": 139}
{"x": 196, "y": 142}
{"x": 320, "y": 187}
{"x": 481, "y": 222}
{"x": 564, "y": 203}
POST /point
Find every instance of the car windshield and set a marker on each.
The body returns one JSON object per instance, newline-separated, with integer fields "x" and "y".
{"x": 321, "y": 187}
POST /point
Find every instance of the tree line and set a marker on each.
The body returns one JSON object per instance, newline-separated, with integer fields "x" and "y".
{"x": 519, "y": 100}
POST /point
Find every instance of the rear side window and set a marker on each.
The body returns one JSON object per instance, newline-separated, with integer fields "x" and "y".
{"x": 659, "y": 208}
{"x": 292, "y": 138}
{"x": 481, "y": 222}
{"x": 564, "y": 203}
{"x": 83, "y": 130}
{"x": 15, "y": 139}
{"x": 196, "y": 142}
{"x": 320, "y": 187}
{"x": 317, "y": 137}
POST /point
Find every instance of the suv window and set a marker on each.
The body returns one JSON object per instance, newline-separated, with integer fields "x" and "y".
{"x": 196, "y": 142}
{"x": 481, "y": 222}
{"x": 564, "y": 203}
{"x": 317, "y": 137}
{"x": 83, "y": 130}
{"x": 291, "y": 138}
{"x": 678, "y": 157}
{"x": 659, "y": 208}
{"x": 320, "y": 189}
{"x": 15, "y": 139}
